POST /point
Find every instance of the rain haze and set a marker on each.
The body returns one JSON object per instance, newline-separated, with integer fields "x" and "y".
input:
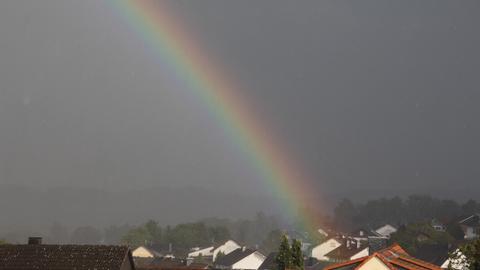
{"x": 371, "y": 98}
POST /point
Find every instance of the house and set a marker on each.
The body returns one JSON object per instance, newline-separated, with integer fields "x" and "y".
{"x": 153, "y": 251}
{"x": 438, "y": 226}
{"x": 386, "y": 230}
{"x": 303, "y": 237}
{"x": 310, "y": 263}
{"x": 241, "y": 258}
{"x": 313, "y": 264}
{"x": 325, "y": 230}
{"x": 376, "y": 243}
{"x": 193, "y": 266}
{"x": 269, "y": 263}
{"x": 225, "y": 248}
{"x": 391, "y": 258}
{"x": 322, "y": 249}
{"x": 198, "y": 265}
{"x": 471, "y": 226}
{"x": 145, "y": 252}
{"x": 201, "y": 252}
{"x": 362, "y": 234}
{"x": 37, "y": 256}
{"x": 166, "y": 263}
{"x": 423, "y": 237}
{"x": 322, "y": 232}
{"x": 350, "y": 249}
{"x": 212, "y": 251}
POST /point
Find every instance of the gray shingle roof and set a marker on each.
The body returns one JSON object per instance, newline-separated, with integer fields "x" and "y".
{"x": 233, "y": 257}
{"x": 63, "y": 257}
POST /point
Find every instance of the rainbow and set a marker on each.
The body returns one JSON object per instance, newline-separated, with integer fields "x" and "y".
{"x": 178, "y": 50}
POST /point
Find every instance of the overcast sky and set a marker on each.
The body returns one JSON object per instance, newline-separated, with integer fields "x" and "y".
{"x": 367, "y": 95}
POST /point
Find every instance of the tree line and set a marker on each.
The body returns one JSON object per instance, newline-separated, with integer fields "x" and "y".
{"x": 262, "y": 231}
{"x": 348, "y": 216}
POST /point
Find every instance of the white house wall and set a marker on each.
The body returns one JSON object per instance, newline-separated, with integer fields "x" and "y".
{"x": 373, "y": 263}
{"x": 470, "y": 233}
{"x": 142, "y": 252}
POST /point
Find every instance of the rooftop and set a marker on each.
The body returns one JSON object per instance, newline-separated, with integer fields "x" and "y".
{"x": 79, "y": 257}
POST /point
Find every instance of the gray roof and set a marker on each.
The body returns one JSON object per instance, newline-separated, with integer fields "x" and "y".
{"x": 269, "y": 263}
{"x": 233, "y": 257}
{"x": 472, "y": 221}
{"x": 318, "y": 266}
{"x": 63, "y": 257}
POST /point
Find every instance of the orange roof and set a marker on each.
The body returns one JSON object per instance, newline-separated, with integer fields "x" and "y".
{"x": 394, "y": 257}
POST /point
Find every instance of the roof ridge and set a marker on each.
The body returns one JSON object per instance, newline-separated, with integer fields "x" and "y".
{"x": 380, "y": 257}
{"x": 418, "y": 262}
{"x": 341, "y": 264}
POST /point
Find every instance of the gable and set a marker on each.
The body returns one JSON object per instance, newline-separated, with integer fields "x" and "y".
{"x": 373, "y": 263}
{"x": 142, "y": 252}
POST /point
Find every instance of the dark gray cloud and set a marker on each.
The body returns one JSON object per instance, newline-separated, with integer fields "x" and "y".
{"x": 371, "y": 96}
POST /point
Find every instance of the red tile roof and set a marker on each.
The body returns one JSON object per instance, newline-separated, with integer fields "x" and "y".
{"x": 394, "y": 257}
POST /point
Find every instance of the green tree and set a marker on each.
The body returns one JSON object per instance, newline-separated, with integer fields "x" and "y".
{"x": 272, "y": 241}
{"x": 154, "y": 230}
{"x": 470, "y": 207}
{"x": 468, "y": 256}
{"x": 284, "y": 256}
{"x": 297, "y": 255}
{"x": 137, "y": 237}
{"x": 220, "y": 254}
{"x": 219, "y": 234}
{"x": 413, "y": 236}
{"x": 113, "y": 234}
{"x": 189, "y": 235}
{"x": 200, "y": 259}
{"x": 455, "y": 230}
{"x": 344, "y": 214}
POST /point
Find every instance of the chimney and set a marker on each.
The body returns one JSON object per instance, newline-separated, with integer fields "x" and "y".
{"x": 35, "y": 240}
